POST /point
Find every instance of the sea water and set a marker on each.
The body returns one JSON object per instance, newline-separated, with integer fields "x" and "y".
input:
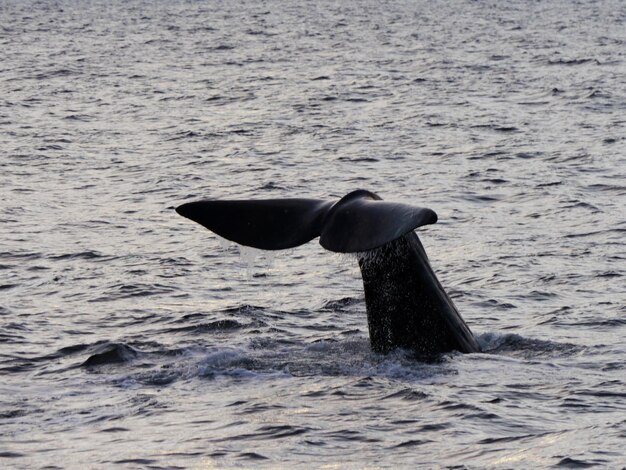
{"x": 133, "y": 338}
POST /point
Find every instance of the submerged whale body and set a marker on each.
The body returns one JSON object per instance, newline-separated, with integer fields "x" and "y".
{"x": 406, "y": 305}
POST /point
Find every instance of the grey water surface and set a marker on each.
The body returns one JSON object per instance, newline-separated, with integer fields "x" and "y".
{"x": 133, "y": 338}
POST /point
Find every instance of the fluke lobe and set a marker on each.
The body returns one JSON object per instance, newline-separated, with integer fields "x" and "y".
{"x": 406, "y": 305}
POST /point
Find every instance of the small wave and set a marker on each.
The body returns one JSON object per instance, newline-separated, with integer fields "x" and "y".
{"x": 244, "y": 309}
{"x": 177, "y": 98}
{"x": 356, "y": 100}
{"x": 599, "y": 94}
{"x": 271, "y": 185}
{"x": 87, "y": 255}
{"x": 125, "y": 291}
{"x": 494, "y": 304}
{"x": 359, "y": 159}
{"x": 569, "y": 462}
{"x": 258, "y": 32}
{"x": 55, "y": 73}
{"x": 340, "y": 305}
{"x": 224, "y": 100}
{"x": 607, "y": 323}
{"x": 142, "y": 462}
{"x": 110, "y": 353}
{"x": 619, "y": 231}
{"x": 619, "y": 189}
{"x": 222, "y": 47}
{"x": 211, "y": 327}
{"x": 66, "y": 351}
{"x": 407, "y": 394}
{"x": 545, "y": 185}
{"x": 78, "y": 117}
{"x": 114, "y": 429}
{"x": 480, "y": 198}
{"x": 496, "y": 127}
{"x": 100, "y": 353}
{"x": 270, "y": 432}
{"x": 581, "y": 205}
{"x": 184, "y": 135}
{"x": 45, "y": 148}
{"x": 411, "y": 443}
{"x": 601, "y": 393}
{"x": 10, "y": 455}
{"x": 253, "y": 408}
{"x": 527, "y": 347}
{"x": 252, "y": 456}
{"x": 241, "y": 132}
{"x": 15, "y": 413}
{"x": 13, "y": 332}
{"x": 19, "y": 256}
{"x": 572, "y": 61}
{"x": 498, "y": 154}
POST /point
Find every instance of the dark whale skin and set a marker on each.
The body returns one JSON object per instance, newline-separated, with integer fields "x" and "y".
{"x": 406, "y": 305}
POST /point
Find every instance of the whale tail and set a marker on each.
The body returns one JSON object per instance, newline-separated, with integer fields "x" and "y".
{"x": 406, "y": 305}
{"x": 360, "y": 221}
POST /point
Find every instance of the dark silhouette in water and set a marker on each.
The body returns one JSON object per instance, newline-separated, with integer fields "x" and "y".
{"x": 406, "y": 305}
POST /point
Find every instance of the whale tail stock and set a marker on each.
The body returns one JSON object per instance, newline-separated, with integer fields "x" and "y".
{"x": 406, "y": 305}
{"x": 360, "y": 221}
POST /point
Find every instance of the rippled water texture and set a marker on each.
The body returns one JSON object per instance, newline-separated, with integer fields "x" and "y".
{"x": 131, "y": 337}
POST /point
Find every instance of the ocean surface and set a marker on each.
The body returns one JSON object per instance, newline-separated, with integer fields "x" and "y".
{"x": 131, "y": 337}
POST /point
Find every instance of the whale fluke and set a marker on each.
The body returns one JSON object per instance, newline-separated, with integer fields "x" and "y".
{"x": 271, "y": 224}
{"x": 360, "y": 221}
{"x": 406, "y": 305}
